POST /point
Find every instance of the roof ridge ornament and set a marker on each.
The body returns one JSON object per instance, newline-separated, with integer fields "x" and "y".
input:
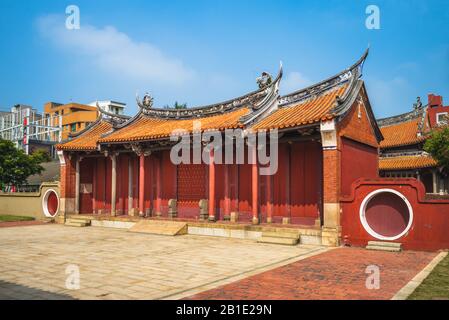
{"x": 113, "y": 118}
{"x": 147, "y": 101}
{"x": 253, "y": 100}
{"x": 353, "y": 72}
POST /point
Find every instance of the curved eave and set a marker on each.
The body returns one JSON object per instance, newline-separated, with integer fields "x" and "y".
{"x": 157, "y": 137}
{"x": 352, "y": 73}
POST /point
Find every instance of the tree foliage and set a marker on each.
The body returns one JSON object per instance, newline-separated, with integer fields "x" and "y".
{"x": 438, "y": 146}
{"x": 16, "y": 166}
{"x": 177, "y": 106}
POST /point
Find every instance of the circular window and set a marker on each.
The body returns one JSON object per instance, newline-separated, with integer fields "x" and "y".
{"x": 50, "y": 203}
{"x": 386, "y": 214}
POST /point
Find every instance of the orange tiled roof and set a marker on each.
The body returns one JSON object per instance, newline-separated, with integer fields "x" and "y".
{"x": 147, "y": 128}
{"x": 406, "y": 162}
{"x": 88, "y": 139}
{"x": 305, "y": 112}
{"x": 401, "y": 134}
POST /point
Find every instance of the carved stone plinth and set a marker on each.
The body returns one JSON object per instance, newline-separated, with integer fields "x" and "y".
{"x": 204, "y": 209}
{"x": 172, "y": 208}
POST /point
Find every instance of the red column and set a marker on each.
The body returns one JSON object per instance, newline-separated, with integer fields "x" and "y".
{"x": 141, "y": 184}
{"x": 255, "y": 186}
{"x": 287, "y": 182}
{"x": 94, "y": 187}
{"x": 158, "y": 186}
{"x": 269, "y": 199}
{"x": 211, "y": 185}
{"x": 227, "y": 198}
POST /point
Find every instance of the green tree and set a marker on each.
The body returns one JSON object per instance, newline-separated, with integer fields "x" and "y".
{"x": 177, "y": 106}
{"x": 438, "y": 146}
{"x": 16, "y": 166}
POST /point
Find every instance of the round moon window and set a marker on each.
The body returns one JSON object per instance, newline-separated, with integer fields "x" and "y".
{"x": 50, "y": 203}
{"x": 386, "y": 214}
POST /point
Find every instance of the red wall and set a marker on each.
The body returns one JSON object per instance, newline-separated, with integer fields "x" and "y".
{"x": 86, "y": 177}
{"x": 429, "y": 230}
{"x": 357, "y": 160}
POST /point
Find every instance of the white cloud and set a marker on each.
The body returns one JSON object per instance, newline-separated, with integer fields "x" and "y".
{"x": 294, "y": 81}
{"x": 388, "y": 95}
{"x": 114, "y": 51}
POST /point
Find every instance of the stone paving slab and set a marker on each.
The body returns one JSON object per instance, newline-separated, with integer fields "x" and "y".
{"x": 116, "y": 264}
{"x": 336, "y": 274}
{"x": 9, "y": 224}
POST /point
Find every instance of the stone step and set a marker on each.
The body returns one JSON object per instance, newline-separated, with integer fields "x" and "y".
{"x": 76, "y": 223}
{"x": 79, "y": 218}
{"x": 281, "y": 234}
{"x": 278, "y": 240}
{"x": 385, "y": 244}
{"x": 383, "y": 248}
{"x": 86, "y": 221}
{"x": 167, "y": 228}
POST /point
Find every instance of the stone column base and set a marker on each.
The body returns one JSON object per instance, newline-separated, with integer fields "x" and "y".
{"x": 211, "y": 218}
{"x": 133, "y": 212}
{"x": 269, "y": 220}
{"x": 286, "y": 220}
{"x": 330, "y": 237}
{"x": 173, "y": 214}
{"x": 234, "y": 217}
{"x": 255, "y": 220}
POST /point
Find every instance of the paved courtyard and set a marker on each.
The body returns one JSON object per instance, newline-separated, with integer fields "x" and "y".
{"x": 116, "y": 264}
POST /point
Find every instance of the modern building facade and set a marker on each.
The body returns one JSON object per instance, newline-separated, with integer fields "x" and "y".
{"x": 74, "y": 116}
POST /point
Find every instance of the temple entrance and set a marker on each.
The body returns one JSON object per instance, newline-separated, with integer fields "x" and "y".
{"x": 192, "y": 187}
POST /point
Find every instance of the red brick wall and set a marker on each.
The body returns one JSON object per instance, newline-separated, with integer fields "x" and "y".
{"x": 359, "y": 146}
{"x": 357, "y": 160}
{"x": 357, "y": 126}
{"x": 67, "y": 173}
{"x": 331, "y": 175}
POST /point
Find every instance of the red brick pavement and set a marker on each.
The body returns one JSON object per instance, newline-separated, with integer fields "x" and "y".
{"x": 336, "y": 274}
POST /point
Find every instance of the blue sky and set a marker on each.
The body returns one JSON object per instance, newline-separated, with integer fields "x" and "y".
{"x": 201, "y": 52}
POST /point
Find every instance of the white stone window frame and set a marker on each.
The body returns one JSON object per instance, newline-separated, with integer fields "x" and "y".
{"x": 367, "y": 227}
{"x": 45, "y": 203}
{"x": 438, "y": 117}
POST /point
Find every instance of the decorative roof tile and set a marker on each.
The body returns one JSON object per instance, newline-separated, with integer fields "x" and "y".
{"x": 401, "y": 134}
{"x": 149, "y": 128}
{"x": 88, "y": 139}
{"x": 305, "y": 112}
{"x": 407, "y": 162}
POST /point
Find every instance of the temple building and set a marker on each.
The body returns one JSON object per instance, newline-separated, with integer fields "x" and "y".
{"x": 328, "y": 137}
{"x": 401, "y": 151}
